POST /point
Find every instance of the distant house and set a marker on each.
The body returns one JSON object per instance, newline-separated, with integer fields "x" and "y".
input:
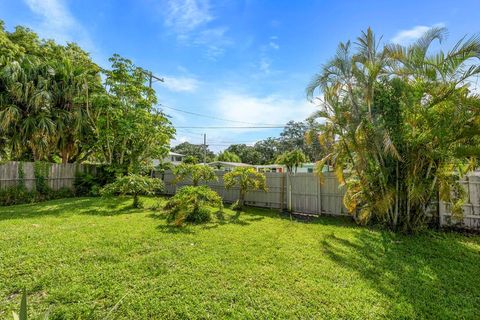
{"x": 227, "y": 166}
{"x": 271, "y": 168}
{"x": 172, "y": 157}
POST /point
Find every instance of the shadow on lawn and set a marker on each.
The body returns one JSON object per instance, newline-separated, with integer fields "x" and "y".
{"x": 55, "y": 208}
{"x": 432, "y": 275}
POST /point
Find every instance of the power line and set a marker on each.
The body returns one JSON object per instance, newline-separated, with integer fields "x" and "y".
{"x": 216, "y": 118}
{"x": 226, "y": 127}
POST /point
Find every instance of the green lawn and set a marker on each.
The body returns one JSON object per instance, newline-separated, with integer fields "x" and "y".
{"x": 92, "y": 258}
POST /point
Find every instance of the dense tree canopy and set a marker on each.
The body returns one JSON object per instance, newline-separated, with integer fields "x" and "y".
{"x": 228, "y": 157}
{"x": 194, "y": 150}
{"x": 54, "y": 106}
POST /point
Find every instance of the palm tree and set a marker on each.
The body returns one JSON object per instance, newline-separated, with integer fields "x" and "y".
{"x": 399, "y": 119}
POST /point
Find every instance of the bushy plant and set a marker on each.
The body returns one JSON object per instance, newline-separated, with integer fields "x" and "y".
{"x": 16, "y": 195}
{"x": 191, "y": 204}
{"x": 196, "y": 172}
{"x": 134, "y": 185}
{"x": 247, "y": 179}
{"x": 89, "y": 184}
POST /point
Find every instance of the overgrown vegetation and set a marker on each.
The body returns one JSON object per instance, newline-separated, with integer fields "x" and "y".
{"x": 246, "y": 179}
{"x": 192, "y": 204}
{"x": 401, "y": 125}
{"x": 134, "y": 185}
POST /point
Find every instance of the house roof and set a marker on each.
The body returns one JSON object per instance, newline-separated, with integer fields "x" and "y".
{"x": 176, "y": 154}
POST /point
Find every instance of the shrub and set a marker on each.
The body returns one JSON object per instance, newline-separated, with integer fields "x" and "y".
{"x": 191, "y": 203}
{"x": 16, "y": 195}
{"x": 89, "y": 184}
{"x": 134, "y": 185}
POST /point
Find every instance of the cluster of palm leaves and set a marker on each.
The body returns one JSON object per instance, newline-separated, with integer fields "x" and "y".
{"x": 402, "y": 125}
{"x": 44, "y": 90}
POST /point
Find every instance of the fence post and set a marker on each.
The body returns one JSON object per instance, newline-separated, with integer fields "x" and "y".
{"x": 282, "y": 191}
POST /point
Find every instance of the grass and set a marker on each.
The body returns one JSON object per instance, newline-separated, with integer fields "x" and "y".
{"x": 91, "y": 258}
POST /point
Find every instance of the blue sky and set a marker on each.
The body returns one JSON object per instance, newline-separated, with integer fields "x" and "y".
{"x": 247, "y": 61}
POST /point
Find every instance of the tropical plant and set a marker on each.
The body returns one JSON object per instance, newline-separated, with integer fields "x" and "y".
{"x": 196, "y": 172}
{"x": 292, "y": 160}
{"x": 401, "y": 124}
{"x": 247, "y": 179}
{"x": 191, "y": 204}
{"x": 198, "y": 151}
{"x": 134, "y": 185}
{"x": 247, "y": 154}
{"x": 227, "y": 156}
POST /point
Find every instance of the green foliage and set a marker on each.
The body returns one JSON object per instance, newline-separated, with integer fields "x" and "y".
{"x": 227, "y": 156}
{"x": 134, "y": 185}
{"x": 398, "y": 120}
{"x": 194, "y": 150}
{"x": 247, "y": 154}
{"x": 191, "y": 204}
{"x": 292, "y": 159}
{"x": 21, "y": 195}
{"x": 41, "y": 170}
{"x": 53, "y": 105}
{"x": 247, "y": 179}
{"x": 190, "y": 160}
{"x": 196, "y": 172}
{"x": 89, "y": 184}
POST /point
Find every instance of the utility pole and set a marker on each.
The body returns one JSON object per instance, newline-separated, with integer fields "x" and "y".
{"x": 151, "y": 77}
{"x": 204, "y": 148}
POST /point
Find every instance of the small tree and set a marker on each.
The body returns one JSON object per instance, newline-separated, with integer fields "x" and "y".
{"x": 247, "y": 179}
{"x": 292, "y": 159}
{"x": 190, "y": 204}
{"x": 228, "y": 157}
{"x": 197, "y": 172}
{"x": 134, "y": 185}
{"x": 190, "y": 160}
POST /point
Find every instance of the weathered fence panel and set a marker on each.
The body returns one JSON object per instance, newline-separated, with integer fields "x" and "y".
{"x": 471, "y": 208}
{"x": 301, "y": 192}
{"x": 58, "y": 176}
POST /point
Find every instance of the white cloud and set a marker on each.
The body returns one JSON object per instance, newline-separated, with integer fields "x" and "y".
{"x": 186, "y": 15}
{"x": 181, "y": 84}
{"x": 56, "y": 22}
{"x": 272, "y": 109}
{"x": 189, "y": 20}
{"x": 406, "y": 36}
{"x": 273, "y": 43}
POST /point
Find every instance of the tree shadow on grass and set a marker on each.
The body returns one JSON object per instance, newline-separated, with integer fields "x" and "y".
{"x": 432, "y": 275}
{"x": 47, "y": 208}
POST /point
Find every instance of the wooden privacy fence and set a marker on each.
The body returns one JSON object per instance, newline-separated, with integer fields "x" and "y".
{"x": 301, "y": 192}
{"x": 471, "y": 208}
{"x": 58, "y": 176}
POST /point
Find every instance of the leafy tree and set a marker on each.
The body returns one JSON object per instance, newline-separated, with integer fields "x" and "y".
{"x": 190, "y": 160}
{"x": 247, "y": 154}
{"x": 292, "y": 159}
{"x": 268, "y": 150}
{"x": 134, "y": 185}
{"x": 227, "y": 156}
{"x": 196, "y": 172}
{"x": 194, "y": 150}
{"x": 247, "y": 179}
{"x": 401, "y": 123}
{"x": 191, "y": 204}
{"x": 130, "y": 131}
